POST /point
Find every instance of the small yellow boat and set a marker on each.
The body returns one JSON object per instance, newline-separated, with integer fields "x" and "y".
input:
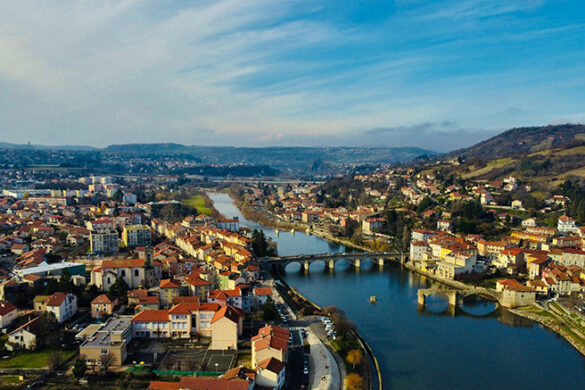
{"x": 373, "y": 299}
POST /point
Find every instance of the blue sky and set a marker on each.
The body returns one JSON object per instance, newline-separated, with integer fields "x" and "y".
{"x": 434, "y": 74}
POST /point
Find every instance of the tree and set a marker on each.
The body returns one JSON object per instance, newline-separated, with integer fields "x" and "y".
{"x": 353, "y": 381}
{"x": 65, "y": 283}
{"x": 80, "y": 367}
{"x": 354, "y": 357}
{"x": 118, "y": 196}
{"x": 50, "y": 332}
{"x": 55, "y": 361}
{"x": 269, "y": 312}
{"x": 119, "y": 289}
{"x": 107, "y": 360}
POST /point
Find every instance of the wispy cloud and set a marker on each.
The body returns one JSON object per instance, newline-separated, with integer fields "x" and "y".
{"x": 257, "y": 72}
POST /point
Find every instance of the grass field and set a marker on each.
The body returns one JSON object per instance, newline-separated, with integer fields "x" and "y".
{"x": 499, "y": 163}
{"x": 33, "y": 359}
{"x": 198, "y": 201}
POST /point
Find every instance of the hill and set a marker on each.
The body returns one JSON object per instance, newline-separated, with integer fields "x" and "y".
{"x": 525, "y": 140}
{"x": 295, "y": 158}
{"x": 547, "y": 154}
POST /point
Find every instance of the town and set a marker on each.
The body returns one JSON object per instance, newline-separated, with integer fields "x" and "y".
{"x": 119, "y": 292}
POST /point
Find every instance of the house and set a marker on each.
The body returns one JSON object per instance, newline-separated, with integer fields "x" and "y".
{"x": 168, "y": 291}
{"x": 529, "y": 222}
{"x": 135, "y": 295}
{"x": 535, "y": 267}
{"x": 226, "y": 297}
{"x": 62, "y": 305}
{"x": 418, "y": 250}
{"x": 444, "y": 225}
{"x": 271, "y": 341}
{"x": 515, "y": 294}
{"x": 369, "y": 225}
{"x": 24, "y": 336}
{"x": 566, "y": 225}
{"x": 103, "y": 306}
{"x": 226, "y": 325}
{"x": 270, "y": 374}
{"x": 197, "y": 286}
{"x": 508, "y": 257}
{"x": 262, "y": 294}
{"x": 8, "y": 313}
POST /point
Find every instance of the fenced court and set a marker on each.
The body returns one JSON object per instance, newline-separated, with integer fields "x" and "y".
{"x": 198, "y": 360}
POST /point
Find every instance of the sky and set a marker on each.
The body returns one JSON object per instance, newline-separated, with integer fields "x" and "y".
{"x": 435, "y": 74}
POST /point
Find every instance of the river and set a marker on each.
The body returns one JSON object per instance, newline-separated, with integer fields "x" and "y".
{"x": 474, "y": 347}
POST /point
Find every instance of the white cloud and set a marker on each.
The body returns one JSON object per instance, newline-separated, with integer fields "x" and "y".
{"x": 237, "y": 72}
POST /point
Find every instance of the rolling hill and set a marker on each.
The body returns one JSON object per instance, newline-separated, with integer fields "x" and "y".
{"x": 547, "y": 154}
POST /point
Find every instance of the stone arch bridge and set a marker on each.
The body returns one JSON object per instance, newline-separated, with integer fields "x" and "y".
{"x": 456, "y": 296}
{"x": 331, "y": 258}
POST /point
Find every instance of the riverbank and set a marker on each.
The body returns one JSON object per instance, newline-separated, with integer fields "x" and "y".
{"x": 304, "y": 306}
{"x": 561, "y": 324}
{"x": 570, "y": 327}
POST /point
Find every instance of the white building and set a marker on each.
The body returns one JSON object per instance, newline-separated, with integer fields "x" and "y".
{"x": 8, "y": 313}
{"x": 62, "y": 305}
{"x": 232, "y": 225}
{"x": 566, "y": 225}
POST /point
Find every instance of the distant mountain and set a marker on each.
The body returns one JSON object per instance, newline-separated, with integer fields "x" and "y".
{"x": 525, "y": 140}
{"x": 280, "y": 157}
{"x": 309, "y": 161}
{"x": 7, "y": 145}
{"x": 158, "y": 148}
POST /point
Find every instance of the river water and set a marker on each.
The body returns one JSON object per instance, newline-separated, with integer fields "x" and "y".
{"x": 474, "y": 347}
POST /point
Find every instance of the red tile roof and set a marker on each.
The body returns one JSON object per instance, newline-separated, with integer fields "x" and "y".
{"x": 259, "y": 291}
{"x": 102, "y": 299}
{"x": 151, "y": 316}
{"x": 158, "y": 385}
{"x": 123, "y": 263}
{"x": 191, "y": 383}
{"x": 56, "y": 299}
{"x": 231, "y": 313}
{"x": 271, "y": 364}
{"x": 6, "y": 307}
{"x": 168, "y": 283}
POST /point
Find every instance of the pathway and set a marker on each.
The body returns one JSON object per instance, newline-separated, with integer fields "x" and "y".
{"x": 324, "y": 370}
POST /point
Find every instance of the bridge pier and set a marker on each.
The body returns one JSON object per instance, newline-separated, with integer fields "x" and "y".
{"x": 422, "y": 297}
{"x": 330, "y": 265}
{"x": 379, "y": 261}
{"x": 356, "y": 262}
{"x": 306, "y": 266}
{"x": 452, "y": 296}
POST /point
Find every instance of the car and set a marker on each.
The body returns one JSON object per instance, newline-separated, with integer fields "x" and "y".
{"x": 306, "y": 370}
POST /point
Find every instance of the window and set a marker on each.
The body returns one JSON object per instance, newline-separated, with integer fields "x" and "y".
{"x": 104, "y": 351}
{"x": 135, "y": 272}
{"x": 123, "y": 273}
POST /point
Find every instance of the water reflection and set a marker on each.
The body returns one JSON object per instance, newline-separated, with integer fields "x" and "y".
{"x": 471, "y": 346}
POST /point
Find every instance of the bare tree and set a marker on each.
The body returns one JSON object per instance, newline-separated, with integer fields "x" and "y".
{"x": 55, "y": 361}
{"x": 107, "y": 360}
